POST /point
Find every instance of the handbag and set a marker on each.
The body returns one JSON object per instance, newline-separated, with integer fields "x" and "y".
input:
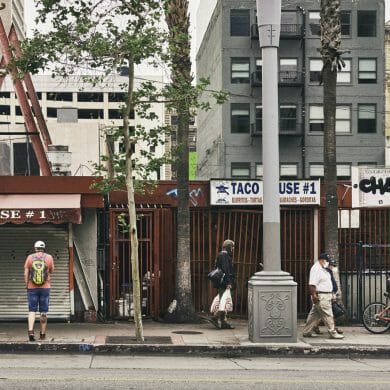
{"x": 216, "y": 276}
{"x": 338, "y": 310}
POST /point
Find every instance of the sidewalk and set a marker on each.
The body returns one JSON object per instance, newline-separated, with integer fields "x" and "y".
{"x": 162, "y": 338}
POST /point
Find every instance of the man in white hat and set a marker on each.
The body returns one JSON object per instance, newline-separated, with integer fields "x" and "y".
{"x": 37, "y": 271}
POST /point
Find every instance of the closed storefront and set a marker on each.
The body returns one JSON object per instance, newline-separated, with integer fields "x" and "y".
{"x": 16, "y": 242}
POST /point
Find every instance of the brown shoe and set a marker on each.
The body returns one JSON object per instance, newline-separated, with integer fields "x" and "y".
{"x": 42, "y": 336}
{"x": 338, "y": 330}
{"x": 31, "y": 336}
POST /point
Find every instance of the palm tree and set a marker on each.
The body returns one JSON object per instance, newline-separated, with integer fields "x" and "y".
{"x": 332, "y": 62}
{"x": 177, "y": 18}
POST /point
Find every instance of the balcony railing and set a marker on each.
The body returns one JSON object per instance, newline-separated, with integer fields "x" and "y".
{"x": 286, "y": 127}
{"x": 286, "y": 31}
{"x": 286, "y": 78}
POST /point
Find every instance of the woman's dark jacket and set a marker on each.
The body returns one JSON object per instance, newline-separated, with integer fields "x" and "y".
{"x": 224, "y": 262}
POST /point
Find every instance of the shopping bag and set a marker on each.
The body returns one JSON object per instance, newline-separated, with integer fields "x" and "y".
{"x": 226, "y": 302}
{"x": 215, "y": 305}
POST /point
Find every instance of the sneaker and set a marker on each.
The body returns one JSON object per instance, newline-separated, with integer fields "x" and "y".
{"x": 317, "y": 330}
{"x": 214, "y": 321}
{"x": 226, "y": 325}
{"x": 339, "y": 331}
{"x": 309, "y": 335}
{"x": 335, "y": 335}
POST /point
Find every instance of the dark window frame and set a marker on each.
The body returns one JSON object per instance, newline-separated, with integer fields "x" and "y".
{"x": 367, "y": 123}
{"x": 240, "y": 61}
{"x": 240, "y": 124}
{"x": 365, "y": 25}
{"x": 240, "y": 22}
{"x": 365, "y": 80}
{"x": 345, "y": 24}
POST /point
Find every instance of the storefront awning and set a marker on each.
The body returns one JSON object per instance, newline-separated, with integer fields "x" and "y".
{"x": 38, "y": 209}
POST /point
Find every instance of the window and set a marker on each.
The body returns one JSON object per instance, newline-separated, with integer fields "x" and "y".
{"x": 367, "y": 70}
{"x": 314, "y": 23}
{"x": 117, "y": 114}
{"x": 343, "y": 171}
{"x": 60, "y": 96}
{"x": 316, "y": 118}
{"x": 240, "y": 117}
{"x": 345, "y": 19}
{"x": 38, "y": 94}
{"x": 90, "y": 97}
{"x": 51, "y": 112}
{"x": 316, "y": 170}
{"x": 259, "y": 171}
{"x": 240, "y": 70}
{"x": 343, "y": 119}
{"x": 241, "y": 170}
{"x": 366, "y": 118}
{"x": 259, "y": 119}
{"x": 289, "y": 170}
{"x": 6, "y": 95}
{"x": 344, "y": 75}
{"x": 259, "y": 70}
{"x": 25, "y": 161}
{"x": 288, "y": 69}
{"x": 315, "y": 70}
{"x": 89, "y": 113}
{"x": 5, "y": 110}
{"x": 239, "y": 22}
{"x": 18, "y": 111}
{"x": 288, "y": 118}
{"x": 366, "y": 23}
{"x": 116, "y": 97}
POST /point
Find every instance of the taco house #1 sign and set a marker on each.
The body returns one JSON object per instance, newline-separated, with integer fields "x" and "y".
{"x": 229, "y": 192}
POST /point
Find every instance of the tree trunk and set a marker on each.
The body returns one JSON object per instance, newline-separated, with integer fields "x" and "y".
{"x": 132, "y": 210}
{"x": 331, "y": 56}
{"x": 179, "y": 51}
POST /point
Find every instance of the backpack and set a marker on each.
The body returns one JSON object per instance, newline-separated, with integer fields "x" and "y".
{"x": 39, "y": 270}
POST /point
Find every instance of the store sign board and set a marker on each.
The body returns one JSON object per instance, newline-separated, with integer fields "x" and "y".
{"x": 370, "y": 187}
{"x": 229, "y": 192}
{"x": 39, "y": 216}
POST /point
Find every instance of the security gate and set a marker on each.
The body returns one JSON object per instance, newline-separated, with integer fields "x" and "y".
{"x": 156, "y": 244}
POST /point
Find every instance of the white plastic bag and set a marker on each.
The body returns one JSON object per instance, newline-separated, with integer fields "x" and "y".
{"x": 215, "y": 305}
{"x": 226, "y": 303}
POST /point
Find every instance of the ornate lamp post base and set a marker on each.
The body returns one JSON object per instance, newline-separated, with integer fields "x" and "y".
{"x": 272, "y": 308}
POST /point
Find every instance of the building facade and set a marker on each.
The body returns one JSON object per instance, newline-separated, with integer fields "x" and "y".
{"x": 14, "y": 13}
{"x": 387, "y": 86}
{"x": 78, "y": 116}
{"x": 230, "y": 135}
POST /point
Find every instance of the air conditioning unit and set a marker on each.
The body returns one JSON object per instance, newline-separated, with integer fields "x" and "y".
{"x": 60, "y": 159}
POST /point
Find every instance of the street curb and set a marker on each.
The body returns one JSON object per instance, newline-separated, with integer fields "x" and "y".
{"x": 339, "y": 351}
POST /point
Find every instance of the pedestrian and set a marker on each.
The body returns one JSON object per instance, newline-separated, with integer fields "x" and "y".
{"x": 224, "y": 262}
{"x": 37, "y": 271}
{"x": 321, "y": 291}
{"x": 332, "y": 268}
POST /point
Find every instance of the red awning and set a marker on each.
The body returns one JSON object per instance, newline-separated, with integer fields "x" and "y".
{"x": 38, "y": 209}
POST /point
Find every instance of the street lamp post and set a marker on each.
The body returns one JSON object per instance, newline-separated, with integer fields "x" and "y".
{"x": 272, "y": 302}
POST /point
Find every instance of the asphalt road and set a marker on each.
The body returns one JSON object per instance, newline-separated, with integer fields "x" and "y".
{"x": 167, "y": 372}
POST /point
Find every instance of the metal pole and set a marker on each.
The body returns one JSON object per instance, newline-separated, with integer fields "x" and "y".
{"x": 24, "y": 105}
{"x": 272, "y": 304}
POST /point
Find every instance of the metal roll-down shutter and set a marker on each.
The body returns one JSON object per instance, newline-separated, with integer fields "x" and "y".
{"x": 16, "y": 242}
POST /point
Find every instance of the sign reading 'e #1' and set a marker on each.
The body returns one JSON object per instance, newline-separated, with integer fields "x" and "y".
{"x": 229, "y": 192}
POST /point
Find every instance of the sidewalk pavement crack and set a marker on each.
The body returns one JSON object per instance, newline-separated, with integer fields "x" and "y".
{"x": 238, "y": 365}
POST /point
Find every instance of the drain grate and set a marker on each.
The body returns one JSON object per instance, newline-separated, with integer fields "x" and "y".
{"x": 187, "y": 332}
{"x": 132, "y": 340}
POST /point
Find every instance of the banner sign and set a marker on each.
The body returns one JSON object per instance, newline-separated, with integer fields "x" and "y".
{"x": 370, "y": 187}
{"x": 39, "y": 216}
{"x": 229, "y": 192}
